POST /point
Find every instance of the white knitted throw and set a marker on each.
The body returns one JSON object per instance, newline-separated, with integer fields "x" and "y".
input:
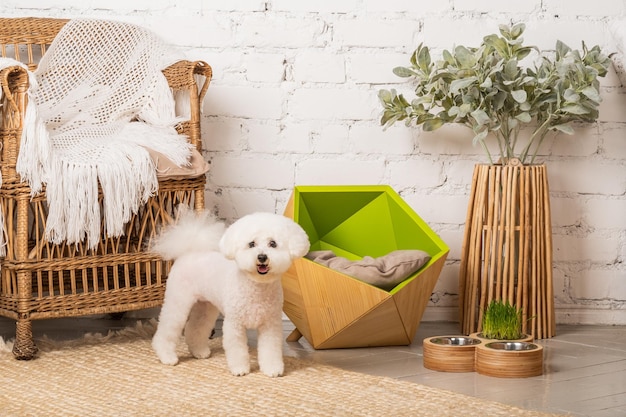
{"x": 99, "y": 98}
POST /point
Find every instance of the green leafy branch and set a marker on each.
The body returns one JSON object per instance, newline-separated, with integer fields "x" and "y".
{"x": 488, "y": 90}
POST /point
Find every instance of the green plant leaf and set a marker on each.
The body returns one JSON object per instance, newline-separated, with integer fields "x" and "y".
{"x": 498, "y": 100}
{"x": 498, "y": 44}
{"x": 399, "y": 100}
{"x": 487, "y": 83}
{"x": 565, "y": 128}
{"x": 388, "y": 118}
{"x": 562, "y": 49}
{"x": 464, "y": 108}
{"x": 519, "y": 95}
{"x": 574, "y": 109}
{"x": 457, "y": 85}
{"x": 505, "y": 30}
{"x": 481, "y": 117}
{"x": 592, "y": 93}
{"x": 524, "y": 117}
{"x": 571, "y": 95}
{"x": 517, "y": 30}
{"x": 480, "y": 136}
{"x": 432, "y": 124}
{"x": 423, "y": 59}
{"x": 511, "y": 69}
{"x": 384, "y": 95}
{"x": 413, "y": 58}
{"x": 464, "y": 57}
{"x": 523, "y": 52}
{"x": 404, "y": 72}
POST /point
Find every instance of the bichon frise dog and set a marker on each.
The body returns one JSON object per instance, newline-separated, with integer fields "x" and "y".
{"x": 236, "y": 272}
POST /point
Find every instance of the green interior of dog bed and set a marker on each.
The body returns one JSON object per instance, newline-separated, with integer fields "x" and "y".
{"x": 364, "y": 220}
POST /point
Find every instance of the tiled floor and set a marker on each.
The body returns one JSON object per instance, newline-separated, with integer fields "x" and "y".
{"x": 584, "y": 366}
{"x": 584, "y": 370}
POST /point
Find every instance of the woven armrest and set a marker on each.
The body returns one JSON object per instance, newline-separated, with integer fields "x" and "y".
{"x": 24, "y": 39}
{"x": 13, "y": 79}
{"x": 14, "y": 85}
{"x": 183, "y": 76}
{"x": 180, "y": 75}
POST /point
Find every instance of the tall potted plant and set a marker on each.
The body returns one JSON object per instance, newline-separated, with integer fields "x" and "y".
{"x": 510, "y": 107}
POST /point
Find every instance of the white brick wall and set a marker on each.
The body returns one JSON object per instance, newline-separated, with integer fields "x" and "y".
{"x": 294, "y": 101}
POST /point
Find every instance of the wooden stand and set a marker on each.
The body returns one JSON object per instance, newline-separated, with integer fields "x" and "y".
{"x": 450, "y": 353}
{"x": 507, "y": 247}
{"x": 509, "y": 359}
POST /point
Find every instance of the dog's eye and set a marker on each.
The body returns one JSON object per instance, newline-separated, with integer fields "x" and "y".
{"x": 272, "y": 244}
{"x": 251, "y": 244}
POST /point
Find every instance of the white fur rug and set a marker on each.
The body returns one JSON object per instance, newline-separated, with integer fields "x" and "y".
{"x": 119, "y": 375}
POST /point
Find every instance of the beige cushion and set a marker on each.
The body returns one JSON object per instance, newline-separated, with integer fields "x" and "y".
{"x": 166, "y": 169}
{"x": 384, "y": 272}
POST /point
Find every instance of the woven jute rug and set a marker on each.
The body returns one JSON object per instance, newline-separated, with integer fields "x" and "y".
{"x": 119, "y": 375}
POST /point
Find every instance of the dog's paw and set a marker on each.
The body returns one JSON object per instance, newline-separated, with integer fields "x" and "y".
{"x": 240, "y": 370}
{"x": 168, "y": 359}
{"x": 200, "y": 352}
{"x": 165, "y": 353}
{"x": 273, "y": 371}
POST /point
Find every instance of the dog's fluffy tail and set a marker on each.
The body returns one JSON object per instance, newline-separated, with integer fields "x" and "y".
{"x": 192, "y": 232}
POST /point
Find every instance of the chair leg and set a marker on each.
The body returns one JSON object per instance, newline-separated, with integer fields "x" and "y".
{"x": 24, "y": 347}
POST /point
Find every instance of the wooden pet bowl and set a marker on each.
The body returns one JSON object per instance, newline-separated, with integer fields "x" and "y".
{"x": 509, "y": 359}
{"x": 450, "y": 353}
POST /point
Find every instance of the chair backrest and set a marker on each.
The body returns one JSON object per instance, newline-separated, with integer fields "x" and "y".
{"x": 26, "y": 39}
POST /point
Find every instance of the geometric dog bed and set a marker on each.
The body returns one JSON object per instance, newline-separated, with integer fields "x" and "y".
{"x": 334, "y": 310}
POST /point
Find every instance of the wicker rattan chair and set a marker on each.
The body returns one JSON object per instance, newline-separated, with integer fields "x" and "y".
{"x": 40, "y": 280}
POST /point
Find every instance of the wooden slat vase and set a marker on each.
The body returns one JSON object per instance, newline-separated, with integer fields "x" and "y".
{"x": 507, "y": 247}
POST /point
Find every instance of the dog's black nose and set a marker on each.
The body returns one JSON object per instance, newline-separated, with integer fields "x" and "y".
{"x": 262, "y": 257}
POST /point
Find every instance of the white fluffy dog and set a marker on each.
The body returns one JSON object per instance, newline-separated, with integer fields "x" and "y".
{"x": 236, "y": 272}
